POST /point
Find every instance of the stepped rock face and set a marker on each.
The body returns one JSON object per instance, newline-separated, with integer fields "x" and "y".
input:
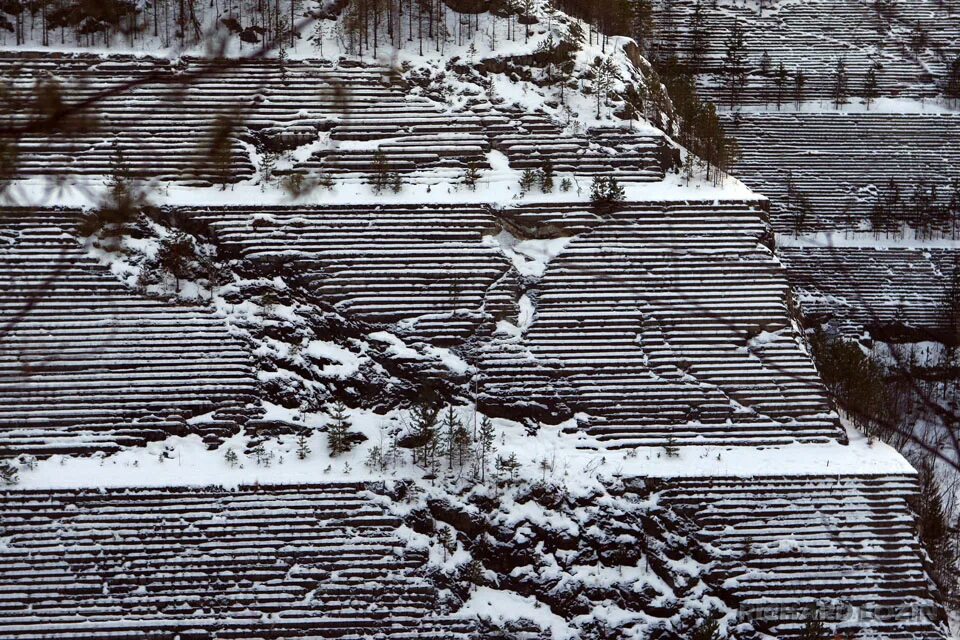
{"x": 844, "y": 546}
{"x": 813, "y": 36}
{"x": 643, "y": 329}
{"x": 252, "y": 562}
{"x": 775, "y": 546}
{"x": 341, "y": 115}
{"x": 93, "y": 366}
{"x": 843, "y": 164}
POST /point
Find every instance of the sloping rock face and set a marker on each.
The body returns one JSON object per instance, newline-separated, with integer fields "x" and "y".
{"x": 559, "y": 284}
{"x": 345, "y": 117}
{"x": 91, "y": 365}
{"x": 650, "y": 326}
{"x": 655, "y": 557}
{"x": 610, "y": 306}
{"x": 251, "y": 562}
{"x": 910, "y": 45}
{"x": 792, "y": 548}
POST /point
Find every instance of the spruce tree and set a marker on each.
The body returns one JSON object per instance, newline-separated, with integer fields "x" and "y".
{"x": 698, "y": 38}
{"x": 799, "y": 82}
{"x": 780, "y": 82}
{"x": 527, "y": 179}
{"x": 870, "y": 90}
{"x": 813, "y": 630}
{"x": 449, "y": 430}
{"x": 734, "y": 64}
{"x": 839, "y": 86}
{"x": 379, "y": 172}
{"x": 471, "y": 175}
{"x": 952, "y": 86}
{"x": 545, "y": 176}
{"x": 338, "y": 432}
{"x": 606, "y": 194}
{"x": 177, "y": 254}
{"x": 303, "y": 447}
{"x": 485, "y": 447}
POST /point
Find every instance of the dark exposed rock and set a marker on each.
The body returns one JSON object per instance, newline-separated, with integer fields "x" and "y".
{"x": 421, "y": 521}
{"x": 528, "y": 555}
{"x": 469, "y": 524}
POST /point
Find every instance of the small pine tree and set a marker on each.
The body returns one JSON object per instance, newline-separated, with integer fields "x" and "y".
{"x": 396, "y": 182}
{"x": 698, "y": 38}
{"x": 379, "y": 172}
{"x": 840, "y": 89}
{"x": 376, "y": 460}
{"x": 545, "y": 177}
{"x": 813, "y": 630}
{"x": 177, "y": 254}
{"x": 422, "y": 435}
{"x": 471, "y": 176}
{"x": 512, "y": 465}
{"x": 485, "y": 447}
{"x": 933, "y": 527}
{"x": 765, "y": 63}
{"x": 671, "y": 448}
{"x": 799, "y": 83}
{"x": 952, "y": 86}
{"x": 527, "y": 179}
{"x": 218, "y": 160}
{"x": 689, "y": 168}
{"x": 461, "y": 445}
{"x": 268, "y": 164}
{"x": 545, "y": 467}
{"x": 606, "y": 194}
{"x": 597, "y": 190}
{"x": 780, "y": 82}
{"x": 565, "y": 185}
{"x": 231, "y": 458}
{"x": 473, "y": 573}
{"x": 338, "y": 433}
{"x": 261, "y": 456}
{"x": 297, "y": 184}
{"x": 919, "y": 38}
{"x": 449, "y": 429}
{"x": 734, "y": 63}
{"x": 121, "y": 204}
{"x": 705, "y": 630}
{"x": 447, "y": 541}
{"x": 303, "y": 447}
{"x": 870, "y": 90}
{"x": 605, "y": 73}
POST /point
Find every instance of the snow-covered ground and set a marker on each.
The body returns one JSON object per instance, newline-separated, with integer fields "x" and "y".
{"x": 857, "y": 105}
{"x": 572, "y": 460}
{"x": 499, "y": 186}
